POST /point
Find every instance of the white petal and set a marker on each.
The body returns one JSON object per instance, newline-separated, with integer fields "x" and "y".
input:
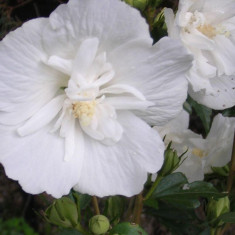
{"x": 172, "y": 29}
{"x": 176, "y": 125}
{"x": 123, "y": 88}
{"x": 85, "y": 56}
{"x": 78, "y": 20}
{"x": 37, "y": 162}
{"x": 43, "y": 117}
{"x": 224, "y": 54}
{"x": 120, "y": 165}
{"x": 128, "y": 103}
{"x": 26, "y": 83}
{"x": 197, "y": 40}
{"x": 106, "y": 128}
{"x": 224, "y": 87}
{"x": 105, "y": 78}
{"x": 157, "y": 72}
{"x": 220, "y": 141}
{"x": 192, "y": 167}
{"x": 61, "y": 64}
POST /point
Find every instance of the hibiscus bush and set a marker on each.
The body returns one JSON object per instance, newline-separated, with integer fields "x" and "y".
{"x": 117, "y": 117}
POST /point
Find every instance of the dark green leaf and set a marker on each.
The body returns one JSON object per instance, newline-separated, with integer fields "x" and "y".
{"x": 200, "y": 189}
{"x": 228, "y": 217}
{"x": 151, "y": 203}
{"x": 229, "y": 112}
{"x": 69, "y": 232}
{"x": 127, "y": 229}
{"x": 203, "y": 112}
{"x": 84, "y": 200}
{"x": 184, "y": 203}
{"x": 169, "y": 185}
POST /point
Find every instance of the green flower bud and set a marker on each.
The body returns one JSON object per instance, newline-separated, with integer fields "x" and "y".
{"x": 99, "y": 224}
{"x": 215, "y": 208}
{"x": 171, "y": 162}
{"x": 63, "y": 212}
{"x": 139, "y": 4}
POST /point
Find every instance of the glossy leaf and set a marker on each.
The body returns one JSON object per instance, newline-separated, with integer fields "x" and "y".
{"x": 127, "y": 229}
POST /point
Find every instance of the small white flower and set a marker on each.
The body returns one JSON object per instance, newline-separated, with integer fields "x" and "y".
{"x": 207, "y": 29}
{"x": 76, "y": 91}
{"x": 202, "y": 154}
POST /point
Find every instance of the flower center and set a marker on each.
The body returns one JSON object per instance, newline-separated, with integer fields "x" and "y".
{"x": 198, "y": 152}
{"x": 207, "y": 30}
{"x": 210, "y": 31}
{"x": 84, "y": 111}
{"x": 197, "y": 20}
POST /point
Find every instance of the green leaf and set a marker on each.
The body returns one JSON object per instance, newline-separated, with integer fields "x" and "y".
{"x": 16, "y": 226}
{"x": 200, "y": 189}
{"x": 229, "y": 112}
{"x": 169, "y": 185}
{"x": 69, "y": 232}
{"x": 203, "y": 112}
{"x": 127, "y": 229}
{"x": 188, "y": 107}
{"x": 114, "y": 208}
{"x": 184, "y": 203}
{"x": 84, "y": 200}
{"x": 170, "y": 189}
{"x": 151, "y": 203}
{"x": 228, "y": 217}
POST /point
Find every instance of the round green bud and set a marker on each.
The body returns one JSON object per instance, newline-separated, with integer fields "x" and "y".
{"x": 99, "y": 224}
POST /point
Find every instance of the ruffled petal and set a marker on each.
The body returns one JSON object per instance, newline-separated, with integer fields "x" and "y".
{"x": 76, "y": 21}
{"x": 157, "y": 72}
{"x": 43, "y": 117}
{"x": 121, "y": 168}
{"x": 26, "y": 83}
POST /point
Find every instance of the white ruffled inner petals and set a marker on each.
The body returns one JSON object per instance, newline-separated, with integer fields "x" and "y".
{"x": 90, "y": 100}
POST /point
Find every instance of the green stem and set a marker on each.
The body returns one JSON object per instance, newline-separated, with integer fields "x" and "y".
{"x": 138, "y": 208}
{"x": 96, "y": 205}
{"x": 128, "y": 216}
{"x": 232, "y": 168}
{"x": 154, "y": 186}
{"x": 80, "y": 229}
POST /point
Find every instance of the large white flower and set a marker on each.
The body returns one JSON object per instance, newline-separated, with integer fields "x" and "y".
{"x": 202, "y": 154}
{"x": 207, "y": 29}
{"x": 76, "y": 91}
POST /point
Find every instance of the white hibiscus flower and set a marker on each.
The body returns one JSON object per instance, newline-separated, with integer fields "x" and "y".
{"x": 77, "y": 90}
{"x": 207, "y": 29}
{"x": 202, "y": 154}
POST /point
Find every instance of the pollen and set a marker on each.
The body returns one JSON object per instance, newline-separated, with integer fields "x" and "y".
{"x": 84, "y": 111}
{"x": 211, "y": 31}
{"x": 198, "y": 152}
{"x": 207, "y": 30}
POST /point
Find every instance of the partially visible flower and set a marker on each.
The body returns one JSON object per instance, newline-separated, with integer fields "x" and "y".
{"x": 77, "y": 92}
{"x": 202, "y": 154}
{"x": 207, "y": 29}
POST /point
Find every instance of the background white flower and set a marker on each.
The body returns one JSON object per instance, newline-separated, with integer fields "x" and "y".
{"x": 207, "y": 29}
{"x": 202, "y": 154}
{"x": 76, "y": 91}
